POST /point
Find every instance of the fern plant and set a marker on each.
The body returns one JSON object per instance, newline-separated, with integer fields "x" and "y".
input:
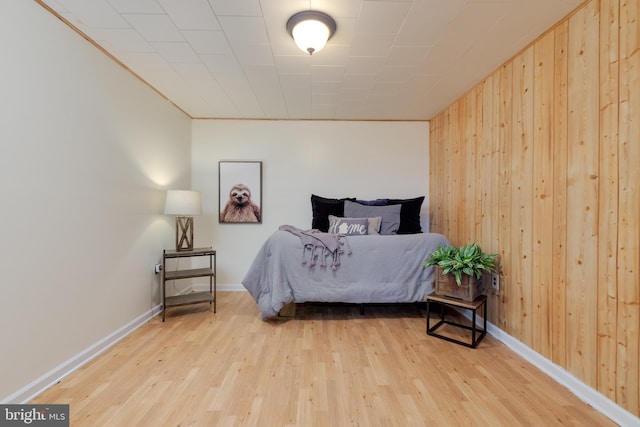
{"x": 467, "y": 259}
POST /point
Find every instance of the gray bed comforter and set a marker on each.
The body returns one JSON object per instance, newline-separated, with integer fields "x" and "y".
{"x": 380, "y": 269}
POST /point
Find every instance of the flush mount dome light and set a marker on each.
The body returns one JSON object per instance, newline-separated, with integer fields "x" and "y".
{"x": 311, "y": 30}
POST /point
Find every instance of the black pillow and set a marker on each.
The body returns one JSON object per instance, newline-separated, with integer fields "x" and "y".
{"x": 322, "y": 207}
{"x": 409, "y": 214}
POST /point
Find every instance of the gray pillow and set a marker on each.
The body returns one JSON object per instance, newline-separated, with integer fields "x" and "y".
{"x": 390, "y": 215}
{"x": 348, "y": 226}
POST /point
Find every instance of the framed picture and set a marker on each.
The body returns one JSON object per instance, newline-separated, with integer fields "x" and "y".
{"x": 240, "y": 192}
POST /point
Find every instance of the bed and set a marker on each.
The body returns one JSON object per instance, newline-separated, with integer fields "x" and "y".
{"x": 380, "y": 269}
{"x": 383, "y": 248}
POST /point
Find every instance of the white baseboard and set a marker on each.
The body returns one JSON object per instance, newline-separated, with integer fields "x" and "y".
{"x": 585, "y": 392}
{"x": 36, "y": 387}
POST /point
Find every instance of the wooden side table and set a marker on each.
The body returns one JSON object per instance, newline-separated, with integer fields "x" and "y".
{"x": 476, "y": 334}
{"x": 193, "y": 297}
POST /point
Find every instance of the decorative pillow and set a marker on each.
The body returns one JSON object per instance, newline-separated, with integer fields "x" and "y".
{"x": 376, "y": 202}
{"x": 322, "y": 207}
{"x": 390, "y": 215}
{"x": 409, "y": 214}
{"x": 348, "y": 226}
{"x": 373, "y": 224}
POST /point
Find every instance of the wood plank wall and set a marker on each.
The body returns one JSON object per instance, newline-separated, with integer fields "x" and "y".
{"x": 541, "y": 163}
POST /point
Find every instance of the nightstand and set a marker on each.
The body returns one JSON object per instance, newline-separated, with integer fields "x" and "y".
{"x": 193, "y": 297}
{"x": 476, "y": 334}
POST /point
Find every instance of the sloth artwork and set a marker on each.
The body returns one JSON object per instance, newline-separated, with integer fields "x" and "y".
{"x": 240, "y": 207}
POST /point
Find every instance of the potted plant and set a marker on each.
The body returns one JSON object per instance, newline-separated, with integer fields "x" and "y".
{"x": 459, "y": 270}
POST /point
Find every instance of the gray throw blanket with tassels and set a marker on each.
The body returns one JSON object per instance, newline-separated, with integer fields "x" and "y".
{"x": 314, "y": 240}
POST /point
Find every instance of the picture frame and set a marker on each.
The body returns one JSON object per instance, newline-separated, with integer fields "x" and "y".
{"x": 240, "y": 192}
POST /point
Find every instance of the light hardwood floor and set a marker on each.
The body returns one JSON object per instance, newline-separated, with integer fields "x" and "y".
{"x": 326, "y": 366}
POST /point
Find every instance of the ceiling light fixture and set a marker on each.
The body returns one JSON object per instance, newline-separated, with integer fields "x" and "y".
{"x": 311, "y": 30}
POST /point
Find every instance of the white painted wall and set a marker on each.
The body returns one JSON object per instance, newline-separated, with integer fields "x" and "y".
{"x": 332, "y": 159}
{"x": 86, "y": 153}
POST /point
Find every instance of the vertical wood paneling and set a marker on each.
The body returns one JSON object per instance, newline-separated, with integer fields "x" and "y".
{"x": 436, "y": 193}
{"x": 522, "y": 194}
{"x": 509, "y": 259}
{"x": 582, "y": 194}
{"x": 560, "y": 161}
{"x": 628, "y": 327}
{"x": 555, "y": 133}
{"x": 608, "y": 198}
{"x": 477, "y": 165}
{"x": 469, "y": 156}
{"x": 447, "y": 164}
{"x": 489, "y": 183}
{"x": 542, "y": 229}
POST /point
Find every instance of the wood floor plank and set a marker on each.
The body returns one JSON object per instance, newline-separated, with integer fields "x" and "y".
{"x": 325, "y": 366}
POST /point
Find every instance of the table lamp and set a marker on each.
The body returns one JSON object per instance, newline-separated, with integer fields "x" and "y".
{"x": 184, "y": 204}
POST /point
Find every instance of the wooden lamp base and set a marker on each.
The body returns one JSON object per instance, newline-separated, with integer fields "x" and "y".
{"x": 184, "y": 233}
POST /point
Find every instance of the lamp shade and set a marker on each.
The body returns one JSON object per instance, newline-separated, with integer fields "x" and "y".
{"x": 311, "y": 30}
{"x": 183, "y": 203}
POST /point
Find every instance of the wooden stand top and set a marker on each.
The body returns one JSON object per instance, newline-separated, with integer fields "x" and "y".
{"x": 471, "y": 305}
{"x": 172, "y": 253}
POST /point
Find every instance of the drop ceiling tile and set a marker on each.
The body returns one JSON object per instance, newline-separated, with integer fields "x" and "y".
{"x": 209, "y": 88}
{"x": 191, "y": 14}
{"x": 236, "y": 7}
{"x": 293, "y": 64}
{"x": 207, "y": 42}
{"x": 262, "y": 74}
{"x": 241, "y": 30}
{"x": 426, "y": 21}
{"x": 254, "y": 55}
{"x": 372, "y": 45}
{"x": 358, "y": 81}
{"x": 155, "y": 28}
{"x": 246, "y": 101}
{"x": 407, "y": 55}
{"x": 379, "y": 17}
{"x": 192, "y": 71}
{"x": 232, "y": 81}
{"x": 136, "y": 6}
{"x": 364, "y": 64}
{"x": 325, "y": 98}
{"x": 176, "y": 52}
{"x": 270, "y": 99}
{"x": 327, "y": 87}
{"x": 296, "y": 82}
{"x": 321, "y": 73}
{"x": 221, "y": 63}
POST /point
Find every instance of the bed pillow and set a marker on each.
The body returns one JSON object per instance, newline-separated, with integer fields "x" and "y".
{"x": 390, "y": 215}
{"x": 409, "y": 214}
{"x": 376, "y": 202}
{"x": 373, "y": 224}
{"x": 322, "y": 207}
{"x": 348, "y": 226}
